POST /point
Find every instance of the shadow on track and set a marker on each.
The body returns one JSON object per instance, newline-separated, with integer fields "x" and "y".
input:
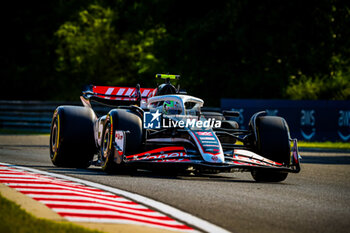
{"x": 146, "y": 174}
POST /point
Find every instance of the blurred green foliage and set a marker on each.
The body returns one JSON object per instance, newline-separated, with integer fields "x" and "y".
{"x": 332, "y": 86}
{"x": 91, "y": 51}
{"x": 235, "y": 48}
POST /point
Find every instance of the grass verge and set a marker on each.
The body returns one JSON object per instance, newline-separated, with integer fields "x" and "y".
{"x": 325, "y": 145}
{"x": 13, "y": 219}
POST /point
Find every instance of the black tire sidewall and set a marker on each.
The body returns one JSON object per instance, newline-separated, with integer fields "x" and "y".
{"x": 121, "y": 119}
{"x": 273, "y": 139}
{"x": 128, "y": 121}
{"x": 272, "y": 143}
{"x": 108, "y": 165}
{"x": 76, "y": 143}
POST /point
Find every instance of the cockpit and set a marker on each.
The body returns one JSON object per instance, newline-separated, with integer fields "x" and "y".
{"x": 176, "y": 105}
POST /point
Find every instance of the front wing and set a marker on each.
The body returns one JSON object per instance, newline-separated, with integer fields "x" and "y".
{"x": 235, "y": 160}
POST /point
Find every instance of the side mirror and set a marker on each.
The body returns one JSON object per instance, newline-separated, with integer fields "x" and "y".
{"x": 227, "y": 113}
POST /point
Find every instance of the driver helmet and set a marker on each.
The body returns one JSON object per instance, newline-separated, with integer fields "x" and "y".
{"x": 166, "y": 89}
{"x": 171, "y": 107}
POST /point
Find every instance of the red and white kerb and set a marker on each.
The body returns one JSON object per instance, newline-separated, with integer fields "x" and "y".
{"x": 81, "y": 203}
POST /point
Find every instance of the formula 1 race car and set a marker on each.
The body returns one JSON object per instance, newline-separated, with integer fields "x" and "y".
{"x": 164, "y": 128}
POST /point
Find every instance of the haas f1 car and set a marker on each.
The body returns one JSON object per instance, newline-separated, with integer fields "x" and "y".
{"x": 164, "y": 128}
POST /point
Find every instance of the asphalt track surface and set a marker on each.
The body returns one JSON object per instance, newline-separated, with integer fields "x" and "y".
{"x": 315, "y": 200}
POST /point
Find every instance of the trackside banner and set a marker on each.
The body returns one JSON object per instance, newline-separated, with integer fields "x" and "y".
{"x": 307, "y": 120}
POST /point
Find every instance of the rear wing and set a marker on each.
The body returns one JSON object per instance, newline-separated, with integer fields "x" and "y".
{"x": 117, "y": 95}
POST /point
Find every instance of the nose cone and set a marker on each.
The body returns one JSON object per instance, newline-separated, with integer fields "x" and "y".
{"x": 208, "y": 145}
{"x": 214, "y": 158}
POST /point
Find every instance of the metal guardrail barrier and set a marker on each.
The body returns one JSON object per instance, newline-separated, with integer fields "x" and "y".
{"x": 28, "y": 115}
{"x": 33, "y": 116}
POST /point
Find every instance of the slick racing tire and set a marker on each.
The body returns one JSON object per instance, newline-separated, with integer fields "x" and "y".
{"x": 72, "y": 137}
{"x": 120, "y": 119}
{"x": 273, "y": 143}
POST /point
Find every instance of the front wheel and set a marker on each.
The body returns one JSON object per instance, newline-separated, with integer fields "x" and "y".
{"x": 112, "y": 160}
{"x": 273, "y": 143}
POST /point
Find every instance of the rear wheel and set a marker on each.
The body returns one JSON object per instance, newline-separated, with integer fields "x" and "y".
{"x": 72, "y": 138}
{"x": 273, "y": 143}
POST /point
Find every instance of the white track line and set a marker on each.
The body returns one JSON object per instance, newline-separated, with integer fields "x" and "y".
{"x": 167, "y": 209}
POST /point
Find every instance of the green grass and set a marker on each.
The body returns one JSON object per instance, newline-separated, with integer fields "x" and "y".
{"x": 325, "y": 145}
{"x": 13, "y": 219}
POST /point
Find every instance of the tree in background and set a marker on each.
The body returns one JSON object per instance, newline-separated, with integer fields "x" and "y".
{"x": 27, "y": 58}
{"x": 332, "y": 86}
{"x": 249, "y": 49}
{"x": 91, "y": 51}
{"x": 235, "y": 48}
{"x": 333, "y": 80}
